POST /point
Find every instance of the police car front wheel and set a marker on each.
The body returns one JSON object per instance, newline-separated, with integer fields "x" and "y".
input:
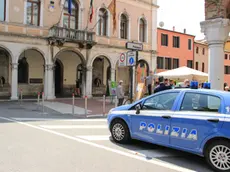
{"x": 120, "y": 131}
{"x": 218, "y": 155}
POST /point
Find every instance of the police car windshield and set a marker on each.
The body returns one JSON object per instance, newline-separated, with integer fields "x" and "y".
{"x": 163, "y": 101}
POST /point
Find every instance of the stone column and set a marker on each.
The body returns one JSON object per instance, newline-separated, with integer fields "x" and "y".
{"x": 113, "y": 71}
{"x": 83, "y": 87}
{"x": 216, "y": 33}
{"x": 14, "y": 82}
{"x": 49, "y": 81}
{"x": 89, "y": 81}
{"x": 153, "y": 62}
{"x": 45, "y": 81}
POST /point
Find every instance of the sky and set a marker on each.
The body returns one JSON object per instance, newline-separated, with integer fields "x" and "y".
{"x": 183, "y": 14}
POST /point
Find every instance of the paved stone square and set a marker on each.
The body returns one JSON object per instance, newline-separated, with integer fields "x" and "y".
{"x": 54, "y": 142}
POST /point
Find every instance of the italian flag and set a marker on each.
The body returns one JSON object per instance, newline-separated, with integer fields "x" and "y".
{"x": 91, "y": 11}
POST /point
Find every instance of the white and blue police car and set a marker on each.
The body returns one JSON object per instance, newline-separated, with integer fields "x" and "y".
{"x": 191, "y": 120}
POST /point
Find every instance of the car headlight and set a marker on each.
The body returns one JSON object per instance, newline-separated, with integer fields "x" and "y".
{"x": 110, "y": 111}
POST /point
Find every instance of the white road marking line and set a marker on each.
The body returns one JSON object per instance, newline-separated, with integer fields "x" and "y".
{"x": 73, "y": 126}
{"x": 96, "y": 115}
{"x": 55, "y": 119}
{"x": 152, "y": 161}
{"x": 95, "y": 137}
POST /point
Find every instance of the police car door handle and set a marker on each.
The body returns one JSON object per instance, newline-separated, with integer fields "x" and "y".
{"x": 213, "y": 120}
{"x": 166, "y": 117}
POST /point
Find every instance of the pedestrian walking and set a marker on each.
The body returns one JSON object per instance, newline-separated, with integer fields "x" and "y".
{"x": 172, "y": 83}
{"x": 149, "y": 82}
{"x": 120, "y": 93}
{"x": 225, "y": 85}
{"x": 162, "y": 86}
{"x": 186, "y": 83}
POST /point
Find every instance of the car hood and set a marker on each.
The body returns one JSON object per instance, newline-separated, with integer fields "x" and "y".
{"x": 127, "y": 107}
{"x": 124, "y": 107}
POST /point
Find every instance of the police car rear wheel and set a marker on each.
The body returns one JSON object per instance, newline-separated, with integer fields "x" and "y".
{"x": 218, "y": 155}
{"x": 120, "y": 131}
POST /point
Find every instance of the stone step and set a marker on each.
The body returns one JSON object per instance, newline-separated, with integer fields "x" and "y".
{"x": 4, "y": 93}
{"x": 4, "y": 89}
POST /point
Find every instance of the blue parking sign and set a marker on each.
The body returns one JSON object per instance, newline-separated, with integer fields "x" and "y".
{"x": 131, "y": 60}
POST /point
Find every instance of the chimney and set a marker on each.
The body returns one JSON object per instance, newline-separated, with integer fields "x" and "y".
{"x": 173, "y": 28}
{"x": 184, "y": 30}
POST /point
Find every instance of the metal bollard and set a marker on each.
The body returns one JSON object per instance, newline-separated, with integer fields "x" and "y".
{"x": 86, "y": 106}
{"x": 115, "y": 101}
{"x": 73, "y": 105}
{"x": 21, "y": 96}
{"x": 43, "y": 109}
{"x": 103, "y": 105}
{"x": 38, "y": 100}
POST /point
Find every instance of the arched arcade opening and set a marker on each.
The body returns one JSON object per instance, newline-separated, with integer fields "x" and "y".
{"x": 5, "y": 73}
{"x": 142, "y": 71}
{"x": 69, "y": 74}
{"x": 123, "y": 73}
{"x": 101, "y": 76}
{"x": 31, "y": 72}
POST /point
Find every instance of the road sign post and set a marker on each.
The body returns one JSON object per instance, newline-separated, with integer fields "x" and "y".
{"x": 132, "y": 60}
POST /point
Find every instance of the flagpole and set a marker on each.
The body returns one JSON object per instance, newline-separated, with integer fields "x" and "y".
{"x": 98, "y": 20}
{"x": 87, "y": 21}
{"x": 107, "y": 9}
{"x": 90, "y": 9}
{"x": 58, "y": 23}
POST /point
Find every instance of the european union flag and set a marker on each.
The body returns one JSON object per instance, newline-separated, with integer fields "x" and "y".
{"x": 69, "y": 6}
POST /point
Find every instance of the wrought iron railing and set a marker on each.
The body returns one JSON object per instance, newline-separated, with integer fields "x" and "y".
{"x": 71, "y": 34}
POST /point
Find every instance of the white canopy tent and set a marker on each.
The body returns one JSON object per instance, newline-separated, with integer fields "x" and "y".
{"x": 184, "y": 72}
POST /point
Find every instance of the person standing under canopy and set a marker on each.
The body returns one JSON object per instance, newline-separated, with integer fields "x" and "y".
{"x": 149, "y": 82}
{"x": 120, "y": 93}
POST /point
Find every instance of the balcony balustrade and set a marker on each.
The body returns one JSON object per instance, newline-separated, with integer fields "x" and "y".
{"x": 72, "y": 35}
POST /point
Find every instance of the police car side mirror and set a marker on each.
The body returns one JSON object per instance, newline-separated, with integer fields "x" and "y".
{"x": 138, "y": 109}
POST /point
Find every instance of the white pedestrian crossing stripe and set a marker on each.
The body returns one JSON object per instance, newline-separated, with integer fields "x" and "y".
{"x": 74, "y": 126}
{"x": 56, "y": 119}
{"x": 95, "y": 137}
{"x": 99, "y": 125}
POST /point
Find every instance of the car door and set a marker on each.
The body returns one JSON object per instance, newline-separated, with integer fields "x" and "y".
{"x": 197, "y": 117}
{"x": 153, "y": 122}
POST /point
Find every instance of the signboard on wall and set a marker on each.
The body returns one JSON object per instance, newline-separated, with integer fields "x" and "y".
{"x": 36, "y": 80}
{"x": 134, "y": 46}
{"x": 112, "y": 88}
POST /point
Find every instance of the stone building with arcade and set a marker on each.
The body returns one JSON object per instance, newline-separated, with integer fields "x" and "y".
{"x": 45, "y": 48}
{"x": 216, "y": 28}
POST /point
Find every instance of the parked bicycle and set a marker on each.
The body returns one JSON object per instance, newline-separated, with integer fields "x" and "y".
{"x": 128, "y": 100}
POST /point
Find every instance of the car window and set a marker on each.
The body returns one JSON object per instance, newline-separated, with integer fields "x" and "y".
{"x": 160, "y": 102}
{"x": 200, "y": 102}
